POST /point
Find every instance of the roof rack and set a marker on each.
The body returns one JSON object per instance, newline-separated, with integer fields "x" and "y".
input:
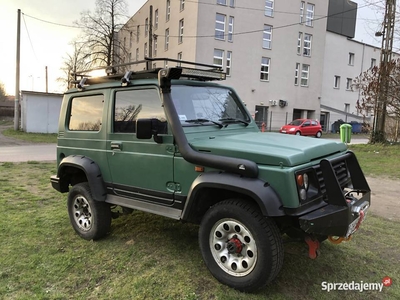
{"x": 201, "y": 72}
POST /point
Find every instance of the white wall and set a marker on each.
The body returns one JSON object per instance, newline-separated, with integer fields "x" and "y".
{"x": 40, "y": 112}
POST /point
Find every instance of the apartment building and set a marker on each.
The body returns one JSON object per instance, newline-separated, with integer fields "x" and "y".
{"x": 278, "y": 55}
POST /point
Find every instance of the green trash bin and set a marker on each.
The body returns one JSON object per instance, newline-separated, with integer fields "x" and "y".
{"x": 345, "y": 133}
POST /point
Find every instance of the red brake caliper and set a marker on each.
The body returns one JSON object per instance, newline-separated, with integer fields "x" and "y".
{"x": 313, "y": 247}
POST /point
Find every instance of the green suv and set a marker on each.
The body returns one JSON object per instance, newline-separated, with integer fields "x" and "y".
{"x": 173, "y": 142}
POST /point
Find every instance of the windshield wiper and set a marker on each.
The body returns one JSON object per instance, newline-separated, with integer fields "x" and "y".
{"x": 233, "y": 120}
{"x": 201, "y": 121}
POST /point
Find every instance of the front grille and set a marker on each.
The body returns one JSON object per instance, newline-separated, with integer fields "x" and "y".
{"x": 342, "y": 174}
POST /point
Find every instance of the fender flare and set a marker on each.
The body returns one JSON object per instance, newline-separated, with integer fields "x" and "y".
{"x": 91, "y": 170}
{"x": 263, "y": 194}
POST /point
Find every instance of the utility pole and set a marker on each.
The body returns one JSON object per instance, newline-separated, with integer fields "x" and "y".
{"x": 378, "y": 132}
{"x": 47, "y": 80}
{"x": 17, "y": 76}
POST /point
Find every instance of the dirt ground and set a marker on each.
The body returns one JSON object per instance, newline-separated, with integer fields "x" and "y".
{"x": 385, "y": 200}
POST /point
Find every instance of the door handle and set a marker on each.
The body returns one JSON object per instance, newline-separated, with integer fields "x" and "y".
{"x": 116, "y": 146}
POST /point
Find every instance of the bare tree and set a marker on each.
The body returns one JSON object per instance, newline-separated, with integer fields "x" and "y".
{"x": 370, "y": 86}
{"x": 73, "y": 63}
{"x": 100, "y": 31}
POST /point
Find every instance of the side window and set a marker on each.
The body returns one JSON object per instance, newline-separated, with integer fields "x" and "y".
{"x": 314, "y": 123}
{"x": 138, "y": 104}
{"x": 86, "y": 113}
{"x": 307, "y": 123}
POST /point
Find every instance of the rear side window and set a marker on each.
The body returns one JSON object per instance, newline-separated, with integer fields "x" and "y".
{"x": 86, "y": 113}
{"x": 138, "y": 104}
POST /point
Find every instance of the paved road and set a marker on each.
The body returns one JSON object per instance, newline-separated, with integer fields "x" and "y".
{"x": 42, "y": 152}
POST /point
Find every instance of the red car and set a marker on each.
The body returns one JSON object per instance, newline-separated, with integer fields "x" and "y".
{"x": 303, "y": 127}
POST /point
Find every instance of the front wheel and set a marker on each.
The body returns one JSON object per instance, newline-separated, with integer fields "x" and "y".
{"x": 90, "y": 219}
{"x": 298, "y": 133}
{"x": 241, "y": 248}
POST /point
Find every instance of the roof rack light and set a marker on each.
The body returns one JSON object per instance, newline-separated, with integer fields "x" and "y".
{"x": 195, "y": 73}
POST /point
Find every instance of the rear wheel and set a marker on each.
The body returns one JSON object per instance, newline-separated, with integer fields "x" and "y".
{"x": 319, "y": 134}
{"x": 90, "y": 219}
{"x": 242, "y": 248}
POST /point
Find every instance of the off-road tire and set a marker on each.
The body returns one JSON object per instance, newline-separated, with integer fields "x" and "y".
{"x": 261, "y": 255}
{"x": 90, "y": 219}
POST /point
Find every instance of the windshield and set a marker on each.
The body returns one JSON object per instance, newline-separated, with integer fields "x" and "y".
{"x": 197, "y": 105}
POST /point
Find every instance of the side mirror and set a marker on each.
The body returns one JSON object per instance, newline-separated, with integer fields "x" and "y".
{"x": 144, "y": 129}
{"x": 148, "y": 128}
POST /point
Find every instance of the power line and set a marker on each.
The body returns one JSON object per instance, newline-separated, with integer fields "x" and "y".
{"x": 53, "y": 23}
{"x": 29, "y": 38}
{"x": 273, "y": 28}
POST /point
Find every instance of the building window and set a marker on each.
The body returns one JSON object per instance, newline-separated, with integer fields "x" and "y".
{"x": 232, "y": 3}
{"x": 137, "y": 33}
{"x": 305, "y": 72}
{"x": 267, "y": 37}
{"x": 228, "y": 63}
{"x": 146, "y": 27}
{"x": 347, "y": 107}
{"x": 220, "y": 27}
{"x": 179, "y": 57}
{"x": 156, "y": 19}
{"x": 302, "y": 4}
{"x": 310, "y": 14}
{"x": 166, "y": 39}
{"x": 124, "y": 43}
{"x": 137, "y": 54}
{"x": 299, "y": 42}
{"x": 296, "y": 74}
{"x": 180, "y": 36}
{"x": 351, "y": 59}
{"x": 221, "y": 2}
{"x": 145, "y": 49}
{"x": 130, "y": 39}
{"x": 336, "y": 82}
{"x": 218, "y": 58}
{"x": 130, "y": 56}
{"x": 168, "y": 11}
{"x": 155, "y": 47}
{"x": 269, "y": 8}
{"x": 348, "y": 84}
{"x": 307, "y": 44}
{"x": 373, "y": 62}
{"x": 230, "y": 29}
{"x": 182, "y": 5}
{"x": 264, "y": 74}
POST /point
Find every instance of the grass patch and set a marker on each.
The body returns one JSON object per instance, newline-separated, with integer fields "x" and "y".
{"x": 6, "y": 121}
{"x": 378, "y": 159}
{"x": 151, "y": 257}
{"x": 31, "y": 137}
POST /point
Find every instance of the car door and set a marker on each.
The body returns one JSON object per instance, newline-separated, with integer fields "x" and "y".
{"x": 306, "y": 128}
{"x": 140, "y": 169}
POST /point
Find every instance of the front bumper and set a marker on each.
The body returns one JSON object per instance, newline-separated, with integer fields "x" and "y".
{"x": 345, "y": 210}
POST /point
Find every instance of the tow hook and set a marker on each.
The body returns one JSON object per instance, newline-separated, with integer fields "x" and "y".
{"x": 313, "y": 247}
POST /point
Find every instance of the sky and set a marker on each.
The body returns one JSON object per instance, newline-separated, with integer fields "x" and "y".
{"x": 46, "y": 44}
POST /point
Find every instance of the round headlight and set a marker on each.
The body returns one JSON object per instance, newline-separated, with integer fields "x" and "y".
{"x": 305, "y": 179}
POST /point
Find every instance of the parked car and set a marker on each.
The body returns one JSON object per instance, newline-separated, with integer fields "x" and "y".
{"x": 303, "y": 127}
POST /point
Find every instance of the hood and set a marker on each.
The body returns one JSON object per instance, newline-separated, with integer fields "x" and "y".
{"x": 268, "y": 148}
